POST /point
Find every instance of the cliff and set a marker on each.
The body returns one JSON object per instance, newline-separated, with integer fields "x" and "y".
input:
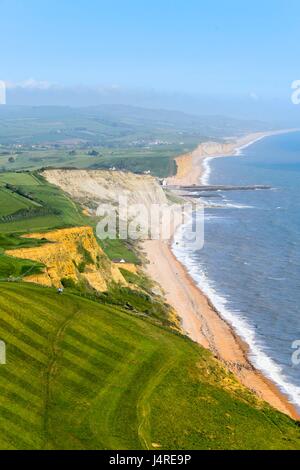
{"x": 71, "y": 253}
{"x": 188, "y": 165}
{"x": 94, "y": 187}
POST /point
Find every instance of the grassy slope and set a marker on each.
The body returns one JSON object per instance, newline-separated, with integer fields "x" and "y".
{"x": 68, "y": 214}
{"x": 82, "y": 375}
{"x": 118, "y": 249}
{"x": 11, "y": 202}
{"x": 47, "y": 194}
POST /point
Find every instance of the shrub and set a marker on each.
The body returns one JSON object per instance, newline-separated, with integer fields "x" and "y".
{"x": 81, "y": 266}
{"x": 68, "y": 282}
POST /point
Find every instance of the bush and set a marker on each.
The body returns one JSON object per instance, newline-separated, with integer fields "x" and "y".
{"x": 93, "y": 153}
{"x": 81, "y": 267}
{"x": 68, "y": 282}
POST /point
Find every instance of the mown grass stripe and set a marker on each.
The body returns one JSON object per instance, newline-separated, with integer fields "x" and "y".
{"x": 17, "y": 419}
{"x": 80, "y": 371}
{"x": 156, "y": 383}
{"x": 94, "y": 360}
{"x": 42, "y": 308}
{"x": 75, "y": 388}
{"x": 136, "y": 328}
{"x": 47, "y": 306}
{"x": 90, "y": 332}
{"x": 30, "y": 309}
{"x": 16, "y": 441}
{"x": 13, "y": 350}
{"x": 116, "y": 340}
{"x": 14, "y": 387}
{"x": 28, "y": 385}
{"x": 13, "y": 396}
{"x": 25, "y": 322}
{"x": 23, "y": 337}
{"x": 22, "y": 345}
{"x": 94, "y": 347}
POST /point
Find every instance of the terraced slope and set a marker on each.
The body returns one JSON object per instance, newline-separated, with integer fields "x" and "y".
{"x": 81, "y": 375}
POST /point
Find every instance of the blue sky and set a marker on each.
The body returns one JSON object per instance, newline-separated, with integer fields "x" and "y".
{"x": 179, "y": 45}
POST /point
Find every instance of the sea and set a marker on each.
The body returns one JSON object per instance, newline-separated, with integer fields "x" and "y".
{"x": 249, "y": 265}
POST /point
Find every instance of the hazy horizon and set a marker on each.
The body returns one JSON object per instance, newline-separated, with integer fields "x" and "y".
{"x": 203, "y": 59}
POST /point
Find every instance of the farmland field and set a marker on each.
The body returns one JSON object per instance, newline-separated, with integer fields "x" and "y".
{"x": 129, "y": 138}
{"x": 158, "y": 159}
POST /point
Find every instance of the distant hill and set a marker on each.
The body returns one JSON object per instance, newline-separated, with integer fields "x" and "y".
{"x": 112, "y": 124}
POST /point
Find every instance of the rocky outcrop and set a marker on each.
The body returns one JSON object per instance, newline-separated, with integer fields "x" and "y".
{"x": 71, "y": 253}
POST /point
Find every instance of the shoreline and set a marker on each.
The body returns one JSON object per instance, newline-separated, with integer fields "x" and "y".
{"x": 190, "y": 165}
{"x": 205, "y": 326}
{"x": 199, "y": 317}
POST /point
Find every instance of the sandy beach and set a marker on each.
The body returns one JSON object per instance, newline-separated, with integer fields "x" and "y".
{"x": 198, "y": 316}
{"x": 190, "y": 168}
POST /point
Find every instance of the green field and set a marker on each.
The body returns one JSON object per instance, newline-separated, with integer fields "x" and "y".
{"x": 31, "y": 205}
{"x": 43, "y": 207}
{"x": 119, "y": 249}
{"x": 81, "y": 375}
{"x": 129, "y": 138}
{"x": 158, "y": 159}
{"x": 53, "y": 208}
{"x": 24, "y": 179}
{"x": 11, "y": 202}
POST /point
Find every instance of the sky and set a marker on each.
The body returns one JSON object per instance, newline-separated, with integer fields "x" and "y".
{"x": 229, "y": 48}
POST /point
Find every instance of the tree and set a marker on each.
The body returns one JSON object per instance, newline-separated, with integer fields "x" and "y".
{"x": 93, "y": 153}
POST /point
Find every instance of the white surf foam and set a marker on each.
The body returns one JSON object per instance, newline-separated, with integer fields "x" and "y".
{"x": 257, "y": 354}
{"x": 238, "y": 152}
{"x": 206, "y": 170}
{"x": 239, "y": 323}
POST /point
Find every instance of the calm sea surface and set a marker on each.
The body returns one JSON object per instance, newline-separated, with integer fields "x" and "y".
{"x": 250, "y": 263}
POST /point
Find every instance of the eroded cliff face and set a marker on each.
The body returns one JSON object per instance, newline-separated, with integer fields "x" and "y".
{"x": 71, "y": 253}
{"x": 94, "y": 187}
{"x": 189, "y": 165}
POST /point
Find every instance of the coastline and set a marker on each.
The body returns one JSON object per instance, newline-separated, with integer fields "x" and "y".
{"x": 200, "y": 319}
{"x": 191, "y": 166}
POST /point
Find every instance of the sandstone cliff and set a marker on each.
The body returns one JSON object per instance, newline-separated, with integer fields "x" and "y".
{"x": 71, "y": 253}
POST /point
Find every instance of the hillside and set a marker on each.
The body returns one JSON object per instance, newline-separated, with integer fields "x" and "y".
{"x": 113, "y": 125}
{"x": 83, "y": 375}
{"x": 104, "y": 365}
